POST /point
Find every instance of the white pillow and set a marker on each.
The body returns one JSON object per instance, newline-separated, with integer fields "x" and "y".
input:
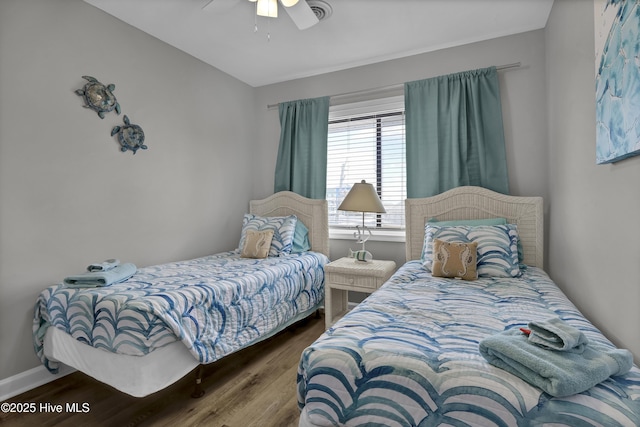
{"x": 497, "y": 246}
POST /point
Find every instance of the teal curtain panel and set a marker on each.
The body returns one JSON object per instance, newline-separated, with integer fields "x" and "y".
{"x": 455, "y": 134}
{"x": 301, "y": 166}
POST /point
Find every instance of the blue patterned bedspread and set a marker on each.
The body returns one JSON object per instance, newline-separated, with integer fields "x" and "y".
{"x": 408, "y": 356}
{"x": 215, "y": 305}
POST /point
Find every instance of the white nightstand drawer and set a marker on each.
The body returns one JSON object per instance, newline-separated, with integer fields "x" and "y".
{"x": 352, "y": 280}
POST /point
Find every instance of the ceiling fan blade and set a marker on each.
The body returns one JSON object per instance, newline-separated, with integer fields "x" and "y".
{"x": 302, "y": 15}
{"x": 219, "y": 6}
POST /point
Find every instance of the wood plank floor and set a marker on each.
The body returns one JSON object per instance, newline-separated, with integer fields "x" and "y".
{"x": 254, "y": 387}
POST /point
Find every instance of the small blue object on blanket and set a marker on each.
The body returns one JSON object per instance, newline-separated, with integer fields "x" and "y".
{"x": 117, "y": 274}
{"x": 558, "y": 373}
{"x": 104, "y": 265}
{"x": 555, "y": 334}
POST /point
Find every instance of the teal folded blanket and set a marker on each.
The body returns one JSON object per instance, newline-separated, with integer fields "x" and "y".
{"x": 556, "y": 334}
{"x": 558, "y": 373}
{"x": 117, "y": 274}
{"x": 104, "y": 266}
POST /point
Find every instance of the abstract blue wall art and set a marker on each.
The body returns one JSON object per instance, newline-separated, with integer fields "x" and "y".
{"x": 617, "y": 48}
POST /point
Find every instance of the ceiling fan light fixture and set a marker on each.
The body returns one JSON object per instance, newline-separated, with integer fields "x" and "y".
{"x": 288, "y": 3}
{"x": 268, "y": 8}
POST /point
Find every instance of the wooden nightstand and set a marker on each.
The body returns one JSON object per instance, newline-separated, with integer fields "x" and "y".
{"x": 347, "y": 274}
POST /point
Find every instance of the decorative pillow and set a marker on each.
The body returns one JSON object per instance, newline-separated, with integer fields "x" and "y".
{"x": 455, "y": 259}
{"x": 283, "y": 230}
{"x": 497, "y": 246}
{"x": 257, "y": 244}
{"x": 300, "y": 238}
{"x": 474, "y": 222}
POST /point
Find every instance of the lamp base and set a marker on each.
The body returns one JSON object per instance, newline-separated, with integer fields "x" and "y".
{"x": 361, "y": 256}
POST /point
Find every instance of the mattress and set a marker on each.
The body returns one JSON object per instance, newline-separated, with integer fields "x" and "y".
{"x": 213, "y": 306}
{"x": 408, "y": 355}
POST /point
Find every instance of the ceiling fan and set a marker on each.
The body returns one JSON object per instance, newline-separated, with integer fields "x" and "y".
{"x": 300, "y": 12}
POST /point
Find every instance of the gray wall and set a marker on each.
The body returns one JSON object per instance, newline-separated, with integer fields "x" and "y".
{"x": 594, "y": 209}
{"x": 68, "y": 196}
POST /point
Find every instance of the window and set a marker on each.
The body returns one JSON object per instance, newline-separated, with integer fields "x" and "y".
{"x": 367, "y": 141}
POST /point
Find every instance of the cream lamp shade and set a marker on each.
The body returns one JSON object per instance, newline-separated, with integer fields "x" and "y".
{"x": 362, "y": 198}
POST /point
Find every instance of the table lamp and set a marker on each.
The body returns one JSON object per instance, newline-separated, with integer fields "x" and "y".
{"x": 362, "y": 198}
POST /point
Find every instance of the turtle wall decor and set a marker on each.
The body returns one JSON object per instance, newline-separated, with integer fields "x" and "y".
{"x": 130, "y": 136}
{"x": 99, "y": 97}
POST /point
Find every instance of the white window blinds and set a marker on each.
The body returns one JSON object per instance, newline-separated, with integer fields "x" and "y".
{"x": 367, "y": 141}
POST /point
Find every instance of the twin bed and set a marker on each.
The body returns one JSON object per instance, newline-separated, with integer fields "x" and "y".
{"x": 408, "y": 355}
{"x": 143, "y": 334}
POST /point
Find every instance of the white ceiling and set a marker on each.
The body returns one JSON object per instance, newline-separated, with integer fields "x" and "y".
{"x": 359, "y": 32}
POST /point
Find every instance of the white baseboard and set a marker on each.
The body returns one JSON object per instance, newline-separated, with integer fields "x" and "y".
{"x": 28, "y": 380}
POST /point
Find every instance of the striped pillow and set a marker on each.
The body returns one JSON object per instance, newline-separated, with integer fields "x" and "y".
{"x": 283, "y": 230}
{"x": 497, "y": 246}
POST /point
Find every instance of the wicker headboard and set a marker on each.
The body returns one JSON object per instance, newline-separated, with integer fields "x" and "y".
{"x": 476, "y": 203}
{"x": 312, "y": 212}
